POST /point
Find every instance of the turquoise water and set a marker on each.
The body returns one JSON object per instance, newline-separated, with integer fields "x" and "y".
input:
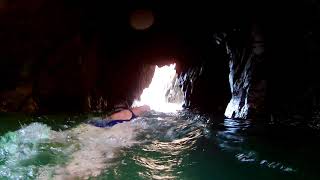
{"x": 158, "y": 146}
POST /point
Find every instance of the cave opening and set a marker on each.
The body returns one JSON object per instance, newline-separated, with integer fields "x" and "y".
{"x": 164, "y": 93}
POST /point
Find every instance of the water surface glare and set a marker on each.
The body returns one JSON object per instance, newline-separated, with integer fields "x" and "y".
{"x": 181, "y": 145}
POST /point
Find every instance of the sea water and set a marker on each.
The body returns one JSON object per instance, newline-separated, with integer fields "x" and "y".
{"x": 183, "y": 145}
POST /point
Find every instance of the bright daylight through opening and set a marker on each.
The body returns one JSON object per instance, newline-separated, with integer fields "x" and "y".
{"x": 163, "y": 93}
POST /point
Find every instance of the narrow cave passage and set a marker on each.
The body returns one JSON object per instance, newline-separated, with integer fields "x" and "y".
{"x": 232, "y": 89}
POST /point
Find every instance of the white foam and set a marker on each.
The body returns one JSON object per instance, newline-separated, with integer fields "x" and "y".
{"x": 96, "y": 148}
{"x": 21, "y": 145}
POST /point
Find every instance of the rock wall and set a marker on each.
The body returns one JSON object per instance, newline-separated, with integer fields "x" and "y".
{"x": 84, "y": 56}
{"x": 205, "y": 82}
{"x": 247, "y": 79}
{"x": 18, "y": 100}
{"x": 293, "y": 55}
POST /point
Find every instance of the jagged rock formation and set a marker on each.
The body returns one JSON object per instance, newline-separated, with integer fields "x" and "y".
{"x": 247, "y": 79}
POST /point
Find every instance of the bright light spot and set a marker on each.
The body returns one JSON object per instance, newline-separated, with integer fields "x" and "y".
{"x": 157, "y": 94}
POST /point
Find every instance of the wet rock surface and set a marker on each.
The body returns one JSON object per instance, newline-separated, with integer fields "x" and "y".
{"x": 18, "y": 100}
{"x": 247, "y": 78}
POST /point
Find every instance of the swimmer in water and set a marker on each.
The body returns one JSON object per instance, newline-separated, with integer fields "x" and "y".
{"x": 120, "y": 116}
{"x": 96, "y": 146}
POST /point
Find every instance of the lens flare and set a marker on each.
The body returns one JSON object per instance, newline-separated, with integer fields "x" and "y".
{"x": 160, "y": 91}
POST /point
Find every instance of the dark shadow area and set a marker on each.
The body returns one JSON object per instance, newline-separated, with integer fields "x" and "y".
{"x": 81, "y": 56}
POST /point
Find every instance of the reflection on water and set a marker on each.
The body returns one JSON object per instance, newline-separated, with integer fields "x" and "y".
{"x": 157, "y": 146}
{"x": 170, "y": 136}
{"x": 175, "y": 146}
{"x": 156, "y": 169}
{"x": 231, "y": 139}
{"x": 170, "y": 155}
